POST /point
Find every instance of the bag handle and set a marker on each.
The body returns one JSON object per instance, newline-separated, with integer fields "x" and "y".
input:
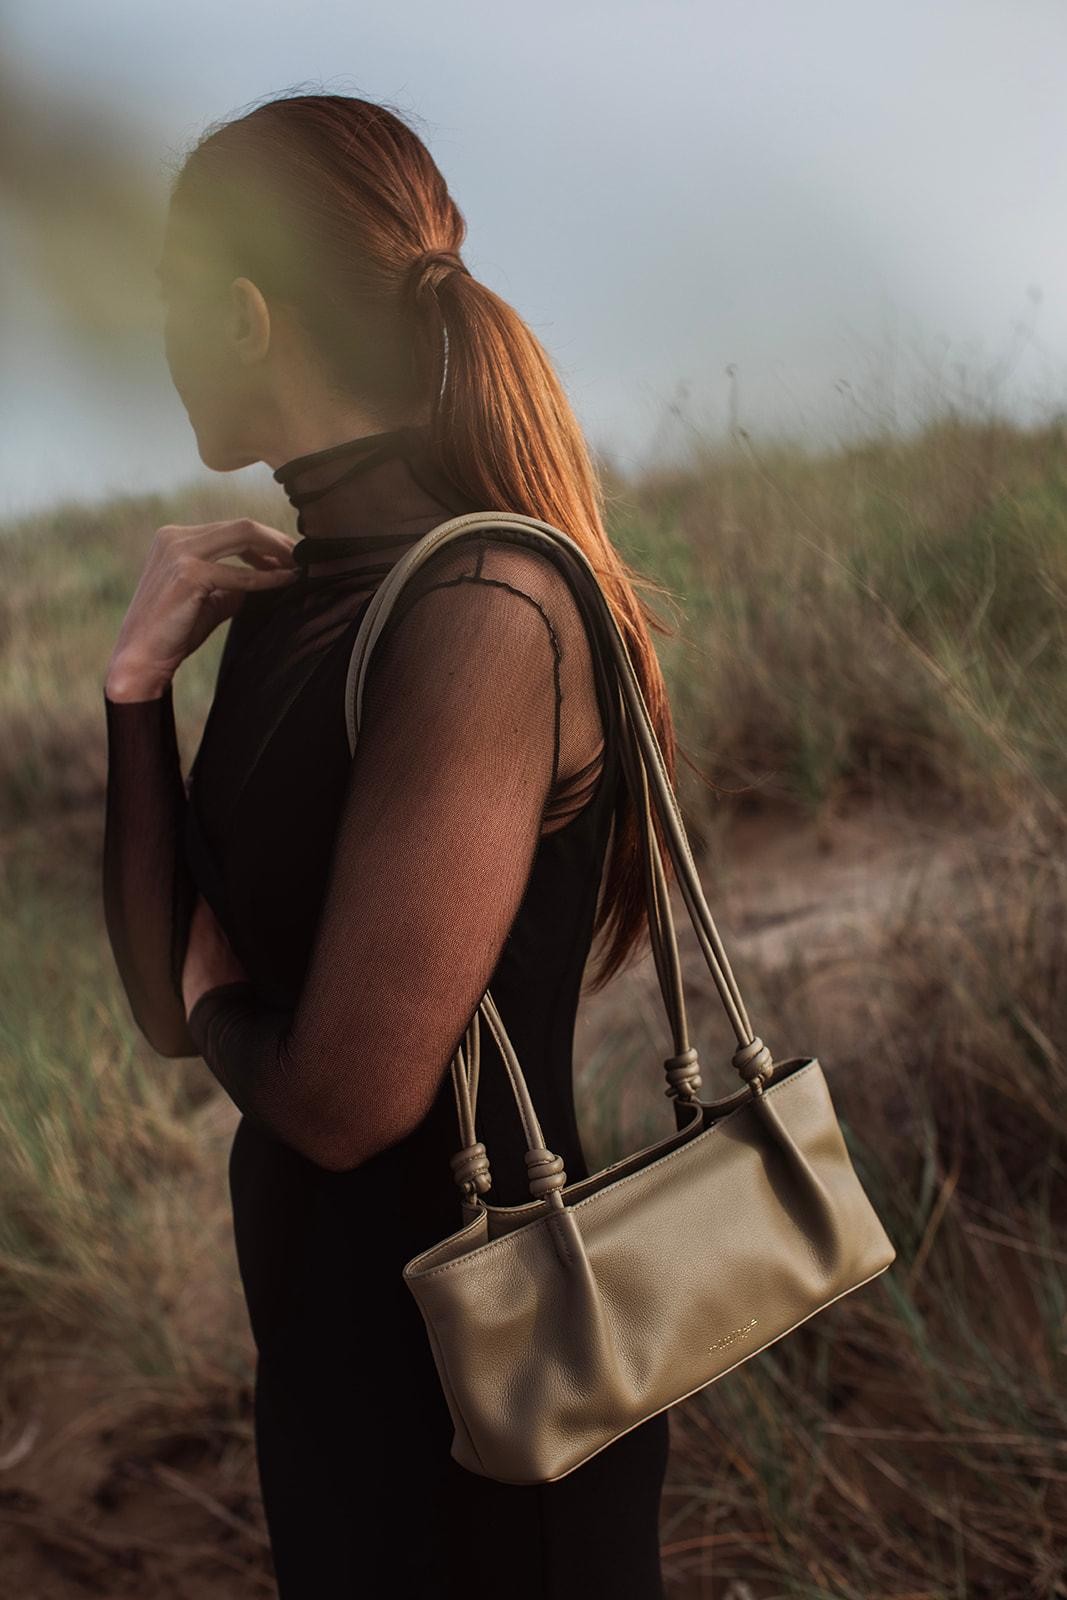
{"x": 641, "y": 756}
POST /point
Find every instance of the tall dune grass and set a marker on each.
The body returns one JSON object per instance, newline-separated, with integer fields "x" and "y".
{"x": 883, "y": 627}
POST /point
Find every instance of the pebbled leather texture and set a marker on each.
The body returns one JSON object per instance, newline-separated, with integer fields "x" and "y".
{"x": 558, "y": 1325}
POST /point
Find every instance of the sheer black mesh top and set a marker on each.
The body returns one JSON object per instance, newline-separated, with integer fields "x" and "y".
{"x": 372, "y": 900}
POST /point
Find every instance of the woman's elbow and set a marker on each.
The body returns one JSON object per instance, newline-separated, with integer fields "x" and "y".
{"x": 341, "y": 1144}
{"x": 331, "y": 1154}
{"x": 340, "y": 1136}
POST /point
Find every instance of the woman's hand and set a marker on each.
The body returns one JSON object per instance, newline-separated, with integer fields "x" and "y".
{"x": 209, "y": 958}
{"x": 185, "y": 591}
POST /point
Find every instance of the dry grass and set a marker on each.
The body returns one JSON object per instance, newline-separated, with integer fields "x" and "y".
{"x": 878, "y": 632}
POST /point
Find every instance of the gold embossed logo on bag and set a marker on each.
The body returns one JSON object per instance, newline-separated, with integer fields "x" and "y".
{"x": 728, "y": 1338}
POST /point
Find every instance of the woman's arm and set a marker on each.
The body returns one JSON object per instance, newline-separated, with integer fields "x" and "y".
{"x": 184, "y": 591}
{"x": 456, "y": 756}
{"x": 147, "y": 887}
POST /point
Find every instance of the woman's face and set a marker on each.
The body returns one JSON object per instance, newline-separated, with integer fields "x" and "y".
{"x": 211, "y": 331}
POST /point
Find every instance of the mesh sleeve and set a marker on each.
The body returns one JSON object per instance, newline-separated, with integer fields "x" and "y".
{"x": 148, "y": 890}
{"x": 456, "y": 760}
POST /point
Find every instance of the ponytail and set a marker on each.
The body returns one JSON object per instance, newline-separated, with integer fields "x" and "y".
{"x": 335, "y": 205}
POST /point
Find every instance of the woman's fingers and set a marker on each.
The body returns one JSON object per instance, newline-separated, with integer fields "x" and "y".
{"x": 187, "y": 587}
{"x": 200, "y": 550}
{"x": 221, "y": 575}
{"x": 259, "y": 558}
{"x": 240, "y": 536}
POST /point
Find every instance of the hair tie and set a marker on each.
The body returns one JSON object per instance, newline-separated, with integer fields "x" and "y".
{"x": 442, "y": 262}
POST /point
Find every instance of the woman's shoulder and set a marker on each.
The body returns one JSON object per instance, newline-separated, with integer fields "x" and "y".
{"x": 493, "y": 561}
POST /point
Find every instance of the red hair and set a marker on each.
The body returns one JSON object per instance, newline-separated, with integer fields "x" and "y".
{"x": 325, "y": 201}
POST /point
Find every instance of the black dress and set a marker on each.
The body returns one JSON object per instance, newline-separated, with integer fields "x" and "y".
{"x": 371, "y": 900}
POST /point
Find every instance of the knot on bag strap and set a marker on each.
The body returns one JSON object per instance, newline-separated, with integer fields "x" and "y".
{"x": 683, "y": 1074}
{"x": 754, "y": 1062}
{"x": 470, "y": 1167}
{"x": 545, "y": 1171}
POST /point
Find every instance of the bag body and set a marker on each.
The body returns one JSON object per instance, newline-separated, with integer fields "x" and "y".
{"x": 560, "y": 1324}
{"x": 555, "y": 1331}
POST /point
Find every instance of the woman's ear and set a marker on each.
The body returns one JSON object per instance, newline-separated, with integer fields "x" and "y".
{"x": 248, "y": 322}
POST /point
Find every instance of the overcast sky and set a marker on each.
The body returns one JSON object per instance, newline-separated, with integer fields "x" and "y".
{"x": 843, "y": 201}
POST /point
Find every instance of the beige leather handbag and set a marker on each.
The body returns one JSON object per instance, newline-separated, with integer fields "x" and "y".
{"x": 560, "y": 1324}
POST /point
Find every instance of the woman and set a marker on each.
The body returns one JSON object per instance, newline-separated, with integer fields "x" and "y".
{"x": 321, "y": 929}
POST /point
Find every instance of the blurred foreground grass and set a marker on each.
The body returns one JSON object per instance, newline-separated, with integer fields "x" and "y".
{"x": 884, "y": 628}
